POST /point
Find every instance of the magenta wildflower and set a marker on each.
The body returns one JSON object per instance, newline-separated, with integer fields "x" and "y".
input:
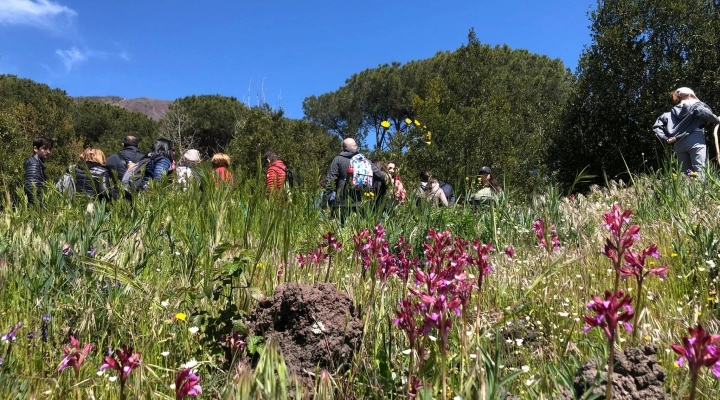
{"x": 699, "y": 350}
{"x": 124, "y": 361}
{"x": 186, "y": 384}
{"x": 330, "y": 243}
{"x": 510, "y": 252}
{"x": 635, "y": 264}
{"x": 538, "y": 227}
{"x": 371, "y": 247}
{"x": 613, "y": 309}
{"x": 74, "y": 356}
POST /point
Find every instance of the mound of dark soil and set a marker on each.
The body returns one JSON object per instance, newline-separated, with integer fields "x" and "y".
{"x": 637, "y": 376}
{"x": 315, "y": 326}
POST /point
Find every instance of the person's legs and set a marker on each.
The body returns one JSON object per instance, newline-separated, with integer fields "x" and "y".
{"x": 683, "y": 159}
{"x": 698, "y": 157}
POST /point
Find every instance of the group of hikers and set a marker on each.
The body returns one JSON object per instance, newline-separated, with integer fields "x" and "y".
{"x": 351, "y": 181}
{"x": 120, "y": 174}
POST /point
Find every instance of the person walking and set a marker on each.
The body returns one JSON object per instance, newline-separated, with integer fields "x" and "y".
{"x": 276, "y": 172}
{"x": 349, "y": 176}
{"x": 682, "y": 127}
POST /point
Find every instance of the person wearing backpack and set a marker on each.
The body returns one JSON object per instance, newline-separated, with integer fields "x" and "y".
{"x": 276, "y": 172}
{"x": 349, "y": 176}
{"x": 158, "y": 163}
{"x": 119, "y": 162}
{"x": 91, "y": 176}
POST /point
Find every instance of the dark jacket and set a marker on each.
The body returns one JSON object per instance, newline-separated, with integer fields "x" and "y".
{"x": 449, "y": 192}
{"x": 118, "y": 162}
{"x": 688, "y": 116}
{"x": 34, "y": 177}
{"x": 92, "y": 179}
{"x": 337, "y": 177}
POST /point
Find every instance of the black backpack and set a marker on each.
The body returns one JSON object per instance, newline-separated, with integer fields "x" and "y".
{"x": 292, "y": 178}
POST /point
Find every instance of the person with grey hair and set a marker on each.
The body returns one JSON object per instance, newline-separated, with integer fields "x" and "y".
{"x": 682, "y": 127}
{"x": 340, "y": 176}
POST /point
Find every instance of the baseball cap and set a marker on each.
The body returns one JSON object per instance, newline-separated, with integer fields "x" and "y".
{"x": 192, "y": 155}
{"x": 485, "y": 171}
{"x": 685, "y": 90}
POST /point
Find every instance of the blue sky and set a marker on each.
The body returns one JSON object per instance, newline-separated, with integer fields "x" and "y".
{"x": 282, "y": 51}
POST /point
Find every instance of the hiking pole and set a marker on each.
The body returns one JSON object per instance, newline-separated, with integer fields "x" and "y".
{"x": 717, "y": 146}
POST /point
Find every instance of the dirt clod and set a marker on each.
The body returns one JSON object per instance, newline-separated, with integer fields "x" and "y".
{"x": 637, "y": 376}
{"x": 315, "y": 326}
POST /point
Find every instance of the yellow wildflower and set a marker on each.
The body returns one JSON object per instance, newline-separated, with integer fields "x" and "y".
{"x": 408, "y": 121}
{"x": 180, "y": 316}
{"x": 674, "y": 175}
{"x": 417, "y": 123}
{"x": 673, "y": 255}
{"x": 385, "y": 124}
{"x": 428, "y": 143}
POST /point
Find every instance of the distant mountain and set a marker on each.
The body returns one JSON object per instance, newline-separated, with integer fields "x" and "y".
{"x": 153, "y": 108}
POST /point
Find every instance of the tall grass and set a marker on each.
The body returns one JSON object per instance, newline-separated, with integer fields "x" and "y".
{"x": 145, "y": 272}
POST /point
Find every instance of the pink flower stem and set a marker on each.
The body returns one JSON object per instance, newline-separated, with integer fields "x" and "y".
{"x": 693, "y": 385}
{"x": 611, "y": 367}
{"x": 327, "y": 274}
{"x": 638, "y": 308}
{"x": 443, "y": 349}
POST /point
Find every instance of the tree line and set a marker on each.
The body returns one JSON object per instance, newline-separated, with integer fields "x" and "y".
{"x": 527, "y": 116}
{"x": 209, "y": 123}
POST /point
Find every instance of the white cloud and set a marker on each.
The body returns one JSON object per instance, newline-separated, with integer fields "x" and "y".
{"x": 74, "y": 56}
{"x": 38, "y": 13}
